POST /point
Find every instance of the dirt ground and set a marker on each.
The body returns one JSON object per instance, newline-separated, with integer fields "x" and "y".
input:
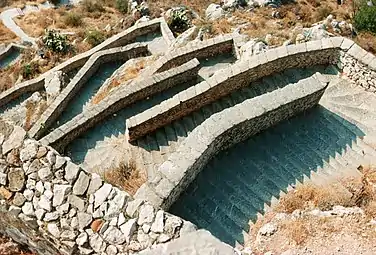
{"x": 320, "y": 220}
{"x": 9, "y": 247}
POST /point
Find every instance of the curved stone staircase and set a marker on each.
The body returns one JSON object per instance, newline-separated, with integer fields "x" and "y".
{"x": 323, "y": 145}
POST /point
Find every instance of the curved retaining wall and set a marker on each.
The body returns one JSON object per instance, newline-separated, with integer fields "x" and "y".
{"x": 196, "y": 49}
{"x": 219, "y": 132}
{"x": 121, "y": 39}
{"x": 55, "y": 207}
{"x": 132, "y": 93}
{"x": 239, "y": 75}
{"x": 224, "y": 129}
{"x": 90, "y": 67}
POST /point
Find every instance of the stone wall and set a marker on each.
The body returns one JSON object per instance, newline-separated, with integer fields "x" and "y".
{"x": 91, "y": 66}
{"x": 359, "y": 72}
{"x": 127, "y": 36}
{"x": 196, "y": 49}
{"x": 225, "y": 129}
{"x": 132, "y": 93}
{"x": 55, "y": 207}
{"x": 227, "y": 80}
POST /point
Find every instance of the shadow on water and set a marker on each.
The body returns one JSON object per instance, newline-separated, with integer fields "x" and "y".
{"x": 235, "y": 184}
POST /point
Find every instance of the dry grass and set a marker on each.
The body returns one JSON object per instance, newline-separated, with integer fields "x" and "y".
{"x": 297, "y": 230}
{"x": 129, "y": 74}
{"x": 6, "y": 35}
{"x": 309, "y": 196}
{"x": 367, "y": 41}
{"x": 359, "y": 192}
{"x": 126, "y": 177}
{"x": 199, "y": 6}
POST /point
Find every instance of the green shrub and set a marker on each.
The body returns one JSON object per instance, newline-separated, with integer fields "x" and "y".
{"x": 29, "y": 70}
{"x": 179, "y": 20}
{"x": 73, "y": 19}
{"x": 55, "y": 41}
{"x": 92, "y": 6}
{"x": 122, "y": 5}
{"x": 365, "y": 19}
{"x": 95, "y": 37}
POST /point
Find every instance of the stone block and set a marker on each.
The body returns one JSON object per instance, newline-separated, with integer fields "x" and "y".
{"x": 347, "y": 44}
{"x": 314, "y": 45}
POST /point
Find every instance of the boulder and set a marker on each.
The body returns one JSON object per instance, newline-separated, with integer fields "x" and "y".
{"x": 214, "y": 12}
{"x": 185, "y": 37}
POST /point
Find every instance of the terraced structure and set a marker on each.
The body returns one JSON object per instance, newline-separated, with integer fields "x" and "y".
{"x": 219, "y": 135}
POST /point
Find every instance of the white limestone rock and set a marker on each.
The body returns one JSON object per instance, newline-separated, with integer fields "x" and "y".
{"x": 71, "y": 172}
{"x": 102, "y": 194}
{"x": 214, "y": 12}
{"x": 53, "y": 229}
{"x": 114, "y": 236}
{"x": 45, "y": 174}
{"x": 146, "y": 214}
{"x": 82, "y": 239}
{"x": 29, "y": 151}
{"x": 28, "y": 209}
{"x": 158, "y": 224}
{"x": 15, "y": 140}
{"x": 81, "y": 184}
{"x": 60, "y": 192}
{"x": 128, "y": 229}
{"x": 84, "y": 219}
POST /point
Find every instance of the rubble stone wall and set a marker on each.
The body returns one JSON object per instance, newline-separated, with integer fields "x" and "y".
{"x": 54, "y": 207}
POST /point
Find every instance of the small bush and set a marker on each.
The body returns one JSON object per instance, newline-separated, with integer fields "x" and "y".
{"x": 73, "y": 19}
{"x": 323, "y": 12}
{"x": 126, "y": 176}
{"x": 122, "y": 5}
{"x": 179, "y": 20}
{"x": 55, "y": 41}
{"x": 95, "y": 37}
{"x": 365, "y": 19}
{"x": 92, "y": 6}
{"x": 29, "y": 70}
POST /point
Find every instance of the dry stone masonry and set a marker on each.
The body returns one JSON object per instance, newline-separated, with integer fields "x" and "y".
{"x": 53, "y": 206}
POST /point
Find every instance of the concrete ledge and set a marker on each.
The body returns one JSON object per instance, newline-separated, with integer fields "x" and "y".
{"x": 224, "y": 129}
{"x": 232, "y": 78}
{"x": 60, "y": 137}
{"x": 91, "y": 66}
{"x": 121, "y": 39}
